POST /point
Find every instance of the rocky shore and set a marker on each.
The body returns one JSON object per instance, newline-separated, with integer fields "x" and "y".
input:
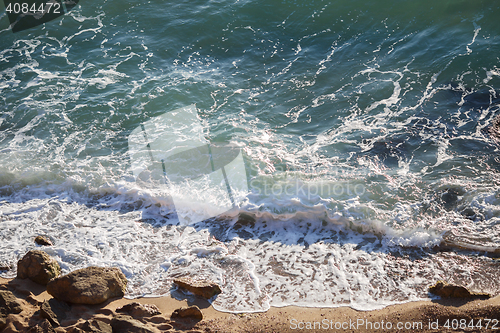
{"x": 40, "y": 300}
{"x": 26, "y": 306}
{"x": 156, "y": 315}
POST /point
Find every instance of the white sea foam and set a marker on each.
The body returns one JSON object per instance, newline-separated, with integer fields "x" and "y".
{"x": 301, "y": 255}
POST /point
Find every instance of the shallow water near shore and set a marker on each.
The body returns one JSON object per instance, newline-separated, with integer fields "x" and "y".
{"x": 364, "y": 130}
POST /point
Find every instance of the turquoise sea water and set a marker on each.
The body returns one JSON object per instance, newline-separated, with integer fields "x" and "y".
{"x": 374, "y": 114}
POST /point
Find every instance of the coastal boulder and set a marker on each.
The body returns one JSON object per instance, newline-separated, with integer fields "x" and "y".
{"x": 38, "y": 266}
{"x": 42, "y": 240}
{"x": 188, "y": 312}
{"x": 204, "y": 289}
{"x": 446, "y": 290}
{"x": 138, "y": 310}
{"x": 91, "y": 285}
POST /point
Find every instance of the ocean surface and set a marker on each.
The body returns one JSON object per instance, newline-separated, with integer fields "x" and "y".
{"x": 369, "y": 169}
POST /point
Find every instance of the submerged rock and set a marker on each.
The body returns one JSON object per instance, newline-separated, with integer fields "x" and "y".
{"x": 91, "y": 285}
{"x": 204, "y": 289}
{"x": 494, "y": 129}
{"x": 446, "y": 290}
{"x": 5, "y": 266}
{"x": 38, "y": 266}
{"x": 138, "y": 310}
{"x": 42, "y": 240}
{"x": 188, "y": 312}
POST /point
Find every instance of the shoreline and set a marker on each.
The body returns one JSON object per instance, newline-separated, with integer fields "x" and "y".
{"x": 419, "y": 316}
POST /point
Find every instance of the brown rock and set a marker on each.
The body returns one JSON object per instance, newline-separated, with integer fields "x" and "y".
{"x": 75, "y": 330}
{"x": 204, "y": 289}
{"x": 44, "y": 327}
{"x": 38, "y": 267}
{"x": 9, "y": 303}
{"x": 96, "y": 326}
{"x": 138, "y": 310}
{"x": 106, "y": 312}
{"x": 32, "y": 300}
{"x": 127, "y": 324}
{"x": 494, "y": 129}
{"x": 54, "y": 311}
{"x": 158, "y": 320}
{"x": 91, "y": 285}
{"x": 42, "y": 240}
{"x": 446, "y": 290}
{"x": 191, "y": 312}
{"x": 165, "y": 327}
{"x": 16, "y": 323}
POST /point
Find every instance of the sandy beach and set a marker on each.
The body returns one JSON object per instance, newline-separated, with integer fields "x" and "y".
{"x": 425, "y": 316}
